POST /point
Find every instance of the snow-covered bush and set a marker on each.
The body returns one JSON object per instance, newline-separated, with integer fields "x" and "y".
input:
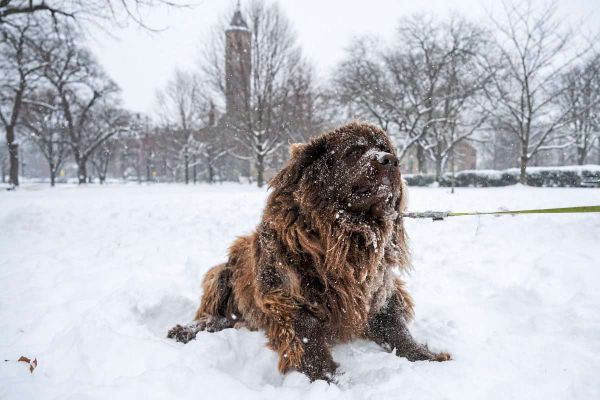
{"x": 566, "y": 176}
{"x": 480, "y": 178}
{"x": 419, "y": 179}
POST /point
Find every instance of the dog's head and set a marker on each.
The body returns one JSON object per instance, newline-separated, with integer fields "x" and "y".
{"x": 350, "y": 170}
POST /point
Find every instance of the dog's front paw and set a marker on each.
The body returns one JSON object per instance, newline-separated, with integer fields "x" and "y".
{"x": 421, "y": 352}
{"x": 182, "y": 334}
{"x": 443, "y": 356}
{"x": 322, "y": 368}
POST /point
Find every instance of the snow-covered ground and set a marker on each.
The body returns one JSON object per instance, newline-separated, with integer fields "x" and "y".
{"x": 92, "y": 278}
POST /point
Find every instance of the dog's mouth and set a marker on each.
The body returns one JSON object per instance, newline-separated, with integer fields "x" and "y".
{"x": 374, "y": 196}
{"x": 374, "y": 187}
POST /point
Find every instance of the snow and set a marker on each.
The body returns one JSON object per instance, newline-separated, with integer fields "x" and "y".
{"x": 92, "y": 278}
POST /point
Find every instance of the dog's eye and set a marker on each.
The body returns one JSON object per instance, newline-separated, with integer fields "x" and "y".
{"x": 384, "y": 148}
{"x": 355, "y": 152}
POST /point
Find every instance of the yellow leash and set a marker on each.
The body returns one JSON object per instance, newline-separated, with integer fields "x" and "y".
{"x": 441, "y": 215}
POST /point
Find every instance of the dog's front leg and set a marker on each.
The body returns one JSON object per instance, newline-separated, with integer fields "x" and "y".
{"x": 300, "y": 340}
{"x": 316, "y": 362}
{"x": 389, "y": 329}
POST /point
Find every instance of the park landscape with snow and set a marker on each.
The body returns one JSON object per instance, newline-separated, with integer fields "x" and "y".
{"x": 91, "y": 279}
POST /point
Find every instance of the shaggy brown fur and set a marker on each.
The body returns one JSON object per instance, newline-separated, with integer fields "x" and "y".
{"x": 318, "y": 270}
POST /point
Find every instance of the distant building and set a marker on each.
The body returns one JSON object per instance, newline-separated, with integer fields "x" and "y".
{"x": 465, "y": 156}
{"x": 238, "y": 65}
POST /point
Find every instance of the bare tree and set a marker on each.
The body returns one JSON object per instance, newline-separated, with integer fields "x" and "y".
{"x": 208, "y": 155}
{"x": 183, "y": 107}
{"x": 102, "y": 157}
{"x": 19, "y": 68}
{"x": 362, "y": 83}
{"x": 117, "y": 11}
{"x": 44, "y": 120}
{"x": 535, "y": 49}
{"x": 107, "y": 122}
{"x": 387, "y": 86}
{"x": 581, "y": 104}
{"x": 128, "y": 150}
{"x": 309, "y": 108}
{"x": 450, "y": 54}
{"x": 209, "y": 148}
{"x": 423, "y": 89}
{"x": 81, "y": 85}
{"x": 148, "y": 145}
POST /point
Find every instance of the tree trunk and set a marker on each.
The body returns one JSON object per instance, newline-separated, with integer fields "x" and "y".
{"x": 81, "y": 170}
{"x": 211, "y": 174}
{"x": 52, "y": 174}
{"x": 194, "y": 171}
{"x": 138, "y": 171}
{"x": 260, "y": 171}
{"x": 187, "y": 166}
{"x": 581, "y": 154}
{"x": 104, "y": 171}
{"x": 421, "y": 161}
{"x": 523, "y": 174}
{"x": 13, "y": 154}
{"x": 438, "y": 169}
{"x": 453, "y": 170}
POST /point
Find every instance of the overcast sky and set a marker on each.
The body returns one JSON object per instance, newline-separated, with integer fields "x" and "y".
{"x": 141, "y": 62}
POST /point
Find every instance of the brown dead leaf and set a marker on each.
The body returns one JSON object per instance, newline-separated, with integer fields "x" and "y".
{"x": 32, "y": 364}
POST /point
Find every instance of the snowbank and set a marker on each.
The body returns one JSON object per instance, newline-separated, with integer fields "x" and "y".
{"x": 92, "y": 278}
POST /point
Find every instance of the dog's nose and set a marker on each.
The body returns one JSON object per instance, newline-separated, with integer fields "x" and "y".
{"x": 386, "y": 159}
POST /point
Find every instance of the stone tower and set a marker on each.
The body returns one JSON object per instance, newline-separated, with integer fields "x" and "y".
{"x": 238, "y": 65}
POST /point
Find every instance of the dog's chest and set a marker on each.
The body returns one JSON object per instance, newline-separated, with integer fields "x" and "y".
{"x": 350, "y": 303}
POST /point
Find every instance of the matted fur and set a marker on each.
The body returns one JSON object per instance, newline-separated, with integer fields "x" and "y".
{"x": 318, "y": 270}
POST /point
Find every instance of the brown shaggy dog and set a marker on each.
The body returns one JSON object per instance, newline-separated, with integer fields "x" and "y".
{"x": 318, "y": 270}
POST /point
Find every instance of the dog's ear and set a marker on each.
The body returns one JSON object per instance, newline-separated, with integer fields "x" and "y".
{"x": 296, "y": 148}
{"x": 302, "y": 155}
